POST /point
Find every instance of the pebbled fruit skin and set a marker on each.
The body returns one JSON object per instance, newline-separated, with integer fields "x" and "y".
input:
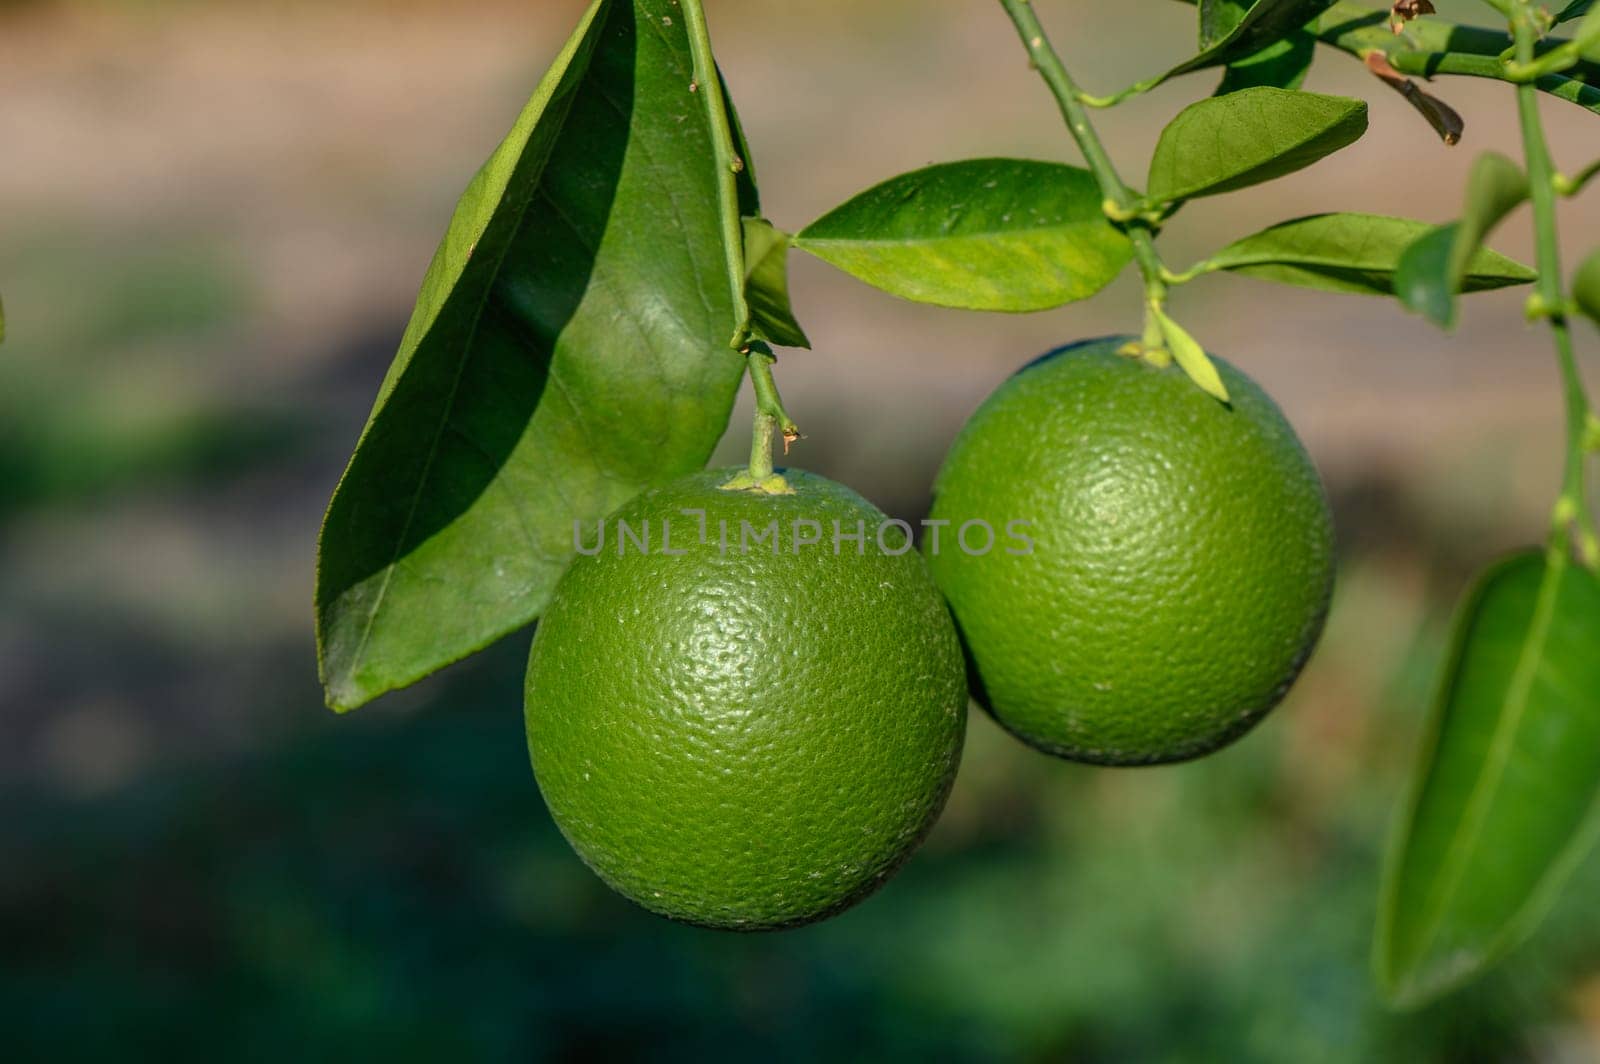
{"x": 1182, "y": 559}
{"x": 746, "y": 741}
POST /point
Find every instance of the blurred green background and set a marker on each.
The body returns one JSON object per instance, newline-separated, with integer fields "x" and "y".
{"x": 213, "y": 217}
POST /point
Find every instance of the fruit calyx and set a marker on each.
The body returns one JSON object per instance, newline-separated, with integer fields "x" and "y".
{"x": 1156, "y": 356}
{"x": 772, "y": 484}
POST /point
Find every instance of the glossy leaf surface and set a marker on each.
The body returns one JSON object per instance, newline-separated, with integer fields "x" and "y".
{"x": 568, "y": 348}
{"x": 985, "y": 234}
{"x": 1247, "y": 137}
{"x": 1504, "y": 799}
{"x": 1356, "y": 253}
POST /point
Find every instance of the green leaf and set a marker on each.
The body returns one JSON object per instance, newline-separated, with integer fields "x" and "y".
{"x": 1504, "y": 798}
{"x": 1218, "y": 18}
{"x": 1422, "y": 280}
{"x": 766, "y": 260}
{"x": 1576, "y": 9}
{"x": 1496, "y": 186}
{"x": 1191, "y": 357}
{"x": 749, "y": 193}
{"x": 1433, "y": 270}
{"x": 1247, "y": 137}
{"x": 568, "y": 348}
{"x": 1282, "y": 65}
{"x": 1267, "y": 22}
{"x": 2, "y": 322}
{"x": 1587, "y": 37}
{"x": 1356, "y": 253}
{"x": 985, "y": 234}
{"x": 1586, "y": 287}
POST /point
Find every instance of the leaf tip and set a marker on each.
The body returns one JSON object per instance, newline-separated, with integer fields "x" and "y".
{"x": 1188, "y": 353}
{"x": 1442, "y": 316}
{"x": 343, "y": 697}
{"x": 1414, "y": 989}
{"x": 342, "y": 692}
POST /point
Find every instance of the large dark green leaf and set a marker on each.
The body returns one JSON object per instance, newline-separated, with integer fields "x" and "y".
{"x": 1504, "y": 799}
{"x": 1247, "y": 137}
{"x": 986, "y": 234}
{"x": 568, "y": 348}
{"x": 1586, "y": 287}
{"x": 1267, "y": 22}
{"x": 1350, "y": 253}
{"x": 1434, "y": 268}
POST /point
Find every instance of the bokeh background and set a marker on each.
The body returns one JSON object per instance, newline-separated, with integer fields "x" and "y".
{"x": 213, "y": 219}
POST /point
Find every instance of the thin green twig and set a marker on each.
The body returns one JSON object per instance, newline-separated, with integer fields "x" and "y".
{"x": 770, "y": 418}
{"x": 1120, "y": 204}
{"x": 1432, "y": 46}
{"x": 1549, "y": 300}
{"x": 709, "y": 86}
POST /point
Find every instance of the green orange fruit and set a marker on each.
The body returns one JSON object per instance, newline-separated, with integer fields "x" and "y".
{"x": 1171, "y": 565}
{"x": 754, "y": 721}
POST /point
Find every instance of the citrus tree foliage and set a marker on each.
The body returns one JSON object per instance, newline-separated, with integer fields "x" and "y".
{"x": 569, "y": 348}
{"x": 608, "y": 276}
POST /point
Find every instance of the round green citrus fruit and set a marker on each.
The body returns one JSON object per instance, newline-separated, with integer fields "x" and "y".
{"x": 755, "y": 732}
{"x": 1162, "y": 562}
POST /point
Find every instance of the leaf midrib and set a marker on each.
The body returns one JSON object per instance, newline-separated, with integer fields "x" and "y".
{"x": 806, "y": 243}
{"x": 1497, "y": 265}
{"x": 1499, "y": 755}
{"x": 519, "y": 215}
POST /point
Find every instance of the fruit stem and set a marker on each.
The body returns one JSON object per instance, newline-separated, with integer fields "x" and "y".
{"x": 770, "y": 417}
{"x": 1574, "y": 521}
{"x": 1120, "y": 205}
{"x": 708, "y": 84}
